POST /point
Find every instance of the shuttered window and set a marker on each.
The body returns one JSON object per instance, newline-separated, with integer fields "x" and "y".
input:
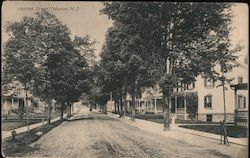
{"x": 208, "y": 101}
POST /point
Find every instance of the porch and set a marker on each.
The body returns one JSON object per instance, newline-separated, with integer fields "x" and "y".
{"x": 184, "y": 105}
{"x": 150, "y": 104}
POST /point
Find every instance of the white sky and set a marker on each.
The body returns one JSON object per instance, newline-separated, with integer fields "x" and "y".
{"x": 84, "y": 18}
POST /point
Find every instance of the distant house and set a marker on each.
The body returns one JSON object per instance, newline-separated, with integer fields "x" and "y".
{"x": 14, "y": 99}
{"x": 150, "y": 101}
{"x": 201, "y": 100}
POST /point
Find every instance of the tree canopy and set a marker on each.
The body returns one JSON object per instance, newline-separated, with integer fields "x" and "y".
{"x": 40, "y": 52}
{"x": 174, "y": 41}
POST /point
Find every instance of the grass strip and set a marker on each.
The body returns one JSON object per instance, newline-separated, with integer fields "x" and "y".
{"x": 20, "y": 145}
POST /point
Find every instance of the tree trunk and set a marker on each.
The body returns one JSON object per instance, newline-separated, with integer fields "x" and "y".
{"x": 105, "y": 108}
{"x": 133, "y": 102}
{"x": 27, "y": 110}
{"x": 49, "y": 111}
{"x": 124, "y": 104}
{"x": 166, "y": 113}
{"x": 62, "y": 106}
{"x": 115, "y": 106}
{"x": 70, "y": 110}
{"x": 121, "y": 105}
{"x": 49, "y": 104}
{"x": 118, "y": 104}
{"x": 67, "y": 109}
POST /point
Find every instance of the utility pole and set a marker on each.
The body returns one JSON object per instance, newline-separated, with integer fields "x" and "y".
{"x": 110, "y": 96}
{"x": 224, "y": 103}
{"x": 224, "y": 99}
{"x": 49, "y": 108}
{"x": 26, "y": 99}
{"x": 48, "y": 90}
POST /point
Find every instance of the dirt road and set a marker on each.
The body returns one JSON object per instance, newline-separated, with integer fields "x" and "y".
{"x": 93, "y": 135}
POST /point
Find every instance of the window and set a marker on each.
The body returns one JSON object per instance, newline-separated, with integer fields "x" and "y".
{"x": 34, "y": 104}
{"x": 9, "y": 101}
{"x": 183, "y": 86}
{"x": 174, "y": 89}
{"x": 186, "y": 86}
{"x": 241, "y": 102}
{"x": 168, "y": 65}
{"x": 240, "y": 80}
{"x": 208, "y": 82}
{"x": 209, "y": 118}
{"x": 179, "y": 87}
{"x": 208, "y": 101}
{"x": 191, "y": 86}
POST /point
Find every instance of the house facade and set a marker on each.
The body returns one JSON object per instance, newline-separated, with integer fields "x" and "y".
{"x": 14, "y": 99}
{"x": 201, "y": 100}
{"x": 210, "y": 97}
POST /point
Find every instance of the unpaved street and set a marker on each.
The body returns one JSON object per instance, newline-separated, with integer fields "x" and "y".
{"x": 90, "y": 135}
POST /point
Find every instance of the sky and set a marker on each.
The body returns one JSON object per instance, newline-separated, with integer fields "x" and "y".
{"x": 84, "y": 18}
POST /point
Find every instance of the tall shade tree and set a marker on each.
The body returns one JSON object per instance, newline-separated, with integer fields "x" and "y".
{"x": 178, "y": 40}
{"x": 125, "y": 69}
{"x": 55, "y": 65}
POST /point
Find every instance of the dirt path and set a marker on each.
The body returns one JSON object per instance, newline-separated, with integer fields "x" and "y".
{"x": 93, "y": 135}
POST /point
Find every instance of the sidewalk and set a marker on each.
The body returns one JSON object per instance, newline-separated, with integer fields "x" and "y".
{"x": 6, "y": 134}
{"x": 238, "y": 141}
{"x": 180, "y": 133}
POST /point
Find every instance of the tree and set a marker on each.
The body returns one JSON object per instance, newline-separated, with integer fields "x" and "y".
{"x": 177, "y": 39}
{"x": 98, "y": 94}
{"x": 124, "y": 65}
{"x": 55, "y": 65}
{"x": 17, "y": 58}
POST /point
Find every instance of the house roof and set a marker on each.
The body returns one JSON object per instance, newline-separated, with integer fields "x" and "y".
{"x": 241, "y": 64}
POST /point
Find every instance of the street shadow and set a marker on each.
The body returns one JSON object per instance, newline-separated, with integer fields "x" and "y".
{"x": 106, "y": 119}
{"x": 78, "y": 118}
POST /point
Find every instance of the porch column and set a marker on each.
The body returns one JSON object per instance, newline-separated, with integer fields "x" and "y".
{"x": 25, "y": 102}
{"x": 146, "y": 105}
{"x": 18, "y": 103}
{"x": 155, "y": 105}
{"x": 152, "y": 104}
{"x": 175, "y": 100}
{"x": 139, "y": 106}
{"x": 235, "y": 98}
{"x": 12, "y": 102}
{"x": 185, "y": 108}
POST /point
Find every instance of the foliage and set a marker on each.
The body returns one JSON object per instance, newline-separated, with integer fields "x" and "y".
{"x": 40, "y": 52}
{"x": 172, "y": 41}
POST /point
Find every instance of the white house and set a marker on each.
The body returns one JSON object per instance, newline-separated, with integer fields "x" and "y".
{"x": 15, "y": 99}
{"x": 201, "y": 100}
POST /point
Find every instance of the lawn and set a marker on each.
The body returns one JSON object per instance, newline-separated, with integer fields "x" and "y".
{"x": 19, "y": 146}
{"x": 13, "y": 122}
{"x": 17, "y": 123}
{"x": 158, "y": 118}
{"x": 232, "y": 131}
{"x": 210, "y": 127}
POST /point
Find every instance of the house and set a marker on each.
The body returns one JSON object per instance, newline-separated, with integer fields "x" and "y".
{"x": 241, "y": 107}
{"x": 150, "y": 101}
{"x": 211, "y": 97}
{"x": 14, "y": 99}
{"x": 201, "y": 100}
